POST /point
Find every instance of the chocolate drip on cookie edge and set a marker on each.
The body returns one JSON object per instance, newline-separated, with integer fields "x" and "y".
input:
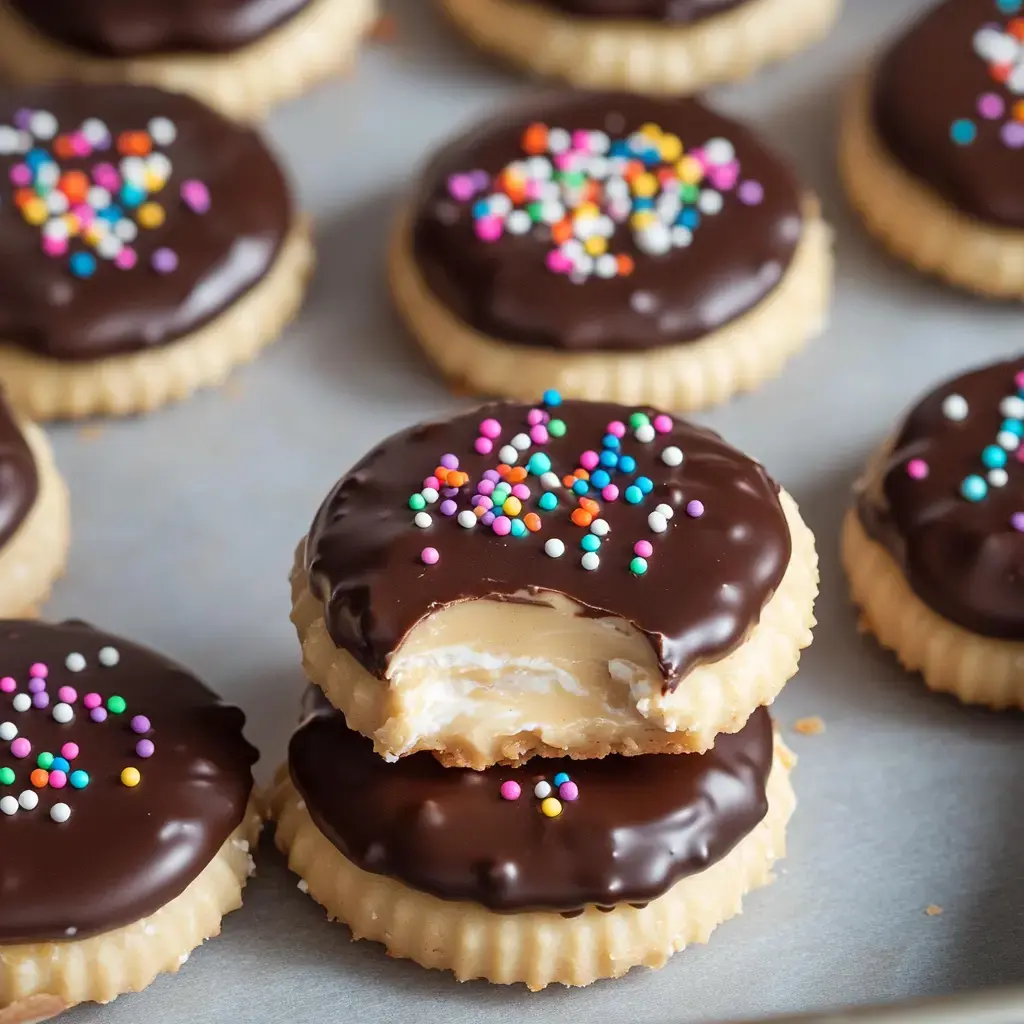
{"x": 140, "y": 28}
{"x": 638, "y": 826}
{"x": 19, "y": 478}
{"x": 676, "y": 12}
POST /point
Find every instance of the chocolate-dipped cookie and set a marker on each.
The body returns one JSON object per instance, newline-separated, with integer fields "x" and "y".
{"x": 620, "y": 860}
{"x": 932, "y": 164}
{"x": 617, "y": 247}
{"x": 675, "y": 47}
{"x": 120, "y": 761}
{"x": 241, "y": 56}
{"x": 571, "y": 578}
{"x": 147, "y": 245}
{"x": 934, "y": 546}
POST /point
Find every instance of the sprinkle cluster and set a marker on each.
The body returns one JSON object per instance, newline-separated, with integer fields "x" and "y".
{"x": 96, "y": 213}
{"x": 995, "y": 457}
{"x": 515, "y": 496}
{"x": 544, "y": 791}
{"x": 1001, "y": 47}
{"x": 574, "y": 189}
{"x": 66, "y": 768}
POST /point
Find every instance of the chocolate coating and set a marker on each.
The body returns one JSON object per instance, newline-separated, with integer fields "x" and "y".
{"x": 124, "y": 853}
{"x": 222, "y": 253}
{"x": 708, "y": 577}
{"x": 964, "y": 559}
{"x": 639, "y": 826}
{"x": 19, "y": 480}
{"x": 678, "y": 12}
{"x": 504, "y": 289}
{"x": 930, "y": 78}
{"x": 142, "y": 28}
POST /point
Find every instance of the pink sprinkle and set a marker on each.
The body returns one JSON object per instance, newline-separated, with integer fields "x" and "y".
{"x": 662, "y": 423}
{"x": 460, "y": 187}
{"x": 21, "y": 176}
{"x": 1020, "y": 453}
{"x": 917, "y": 469}
{"x": 1017, "y": 521}
{"x": 482, "y": 446}
{"x": 521, "y": 491}
{"x": 485, "y": 487}
{"x": 590, "y": 460}
{"x": 450, "y": 461}
{"x": 643, "y": 548}
{"x": 80, "y": 145}
{"x": 502, "y": 526}
{"x": 68, "y": 694}
{"x": 21, "y": 747}
{"x": 610, "y": 493}
{"x": 433, "y": 482}
{"x": 39, "y": 670}
{"x": 92, "y": 700}
{"x": 616, "y": 428}
{"x": 69, "y": 751}
{"x": 58, "y": 779}
{"x": 493, "y": 475}
{"x": 489, "y": 229}
{"x": 563, "y": 161}
{"x": 990, "y": 106}
{"x": 491, "y": 428}
{"x": 430, "y": 556}
{"x": 126, "y": 258}
{"x": 695, "y": 509}
{"x": 511, "y": 790}
{"x": 8, "y": 684}
{"x": 196, "y": 196}
{"x": 558, "y": 262}
{"x": 534, "y": 189}
{"x": 106, "y": 177}
{"x": 539, "y": 434}
{"x": 1019, "y": 380}
{"x": 144, "y": 748}
{"x": 724, "y": 176}
{"x": 54, "y": 247}
{"x": 569, "y": 791}
{"x": 535, "y": 416}
{"x": 481, "y": 500}
{"x": 36, "y": 685}
{"x": 85, "y": 214}
{"x": 581, "y": 141}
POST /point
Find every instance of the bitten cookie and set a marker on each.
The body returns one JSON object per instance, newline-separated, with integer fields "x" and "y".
{"x": 116, "y": 760}
{"x": 935, "y": 543}
{"x": 573, "y": 578}
{"x": 615, "y": 247}
{"x": 645, "y": 46}
{"x": 240, "y": 56}
{"x": 932, "y": 161}
{"x": 147, "y": 246}
{"x": 33, "y": 518}
{"x": 559, "y": 872}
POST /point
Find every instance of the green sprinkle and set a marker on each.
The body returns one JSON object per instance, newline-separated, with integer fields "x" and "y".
{"x": 639, "y": 419}
{"x": 44, "y": 760}
{"x": 417, "y": 502}
{"x": 7, "y": 777}
{"x": 547, "y": 501}
{"x": 590, "y": 542}
{"x": 534, "y": 209}
{"x": 116, "y": 705}
{"x": 638, "y": 566}
{"x": 556, "y": 428}
{"x": 689, "y": 193}
{"x": 519, "y": 528}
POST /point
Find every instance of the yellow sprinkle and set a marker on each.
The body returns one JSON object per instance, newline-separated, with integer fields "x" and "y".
{"x": 642, "y": 219}
{"x": 512, "y": 507}
{"x": 551, "y": 807}
{"x": 73, "y": 223}
{"x": 154, "y": 182}
{"x": 595, "y": 246}
{"x": 654, "y": 130}
{"x": 689, "y": 170}
{"x": 645, "y": 185}
{"x": 150, "y": 215}
{"x": 131, "y": 777}
{"x": 35, "y": 212}
{"x": 671, "y": 148}
{"x": 587, "y": 210}
{"x": 95, "y": 232}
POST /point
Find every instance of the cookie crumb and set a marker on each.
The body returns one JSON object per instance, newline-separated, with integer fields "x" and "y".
{"x": 386, "y": 29}
{"x": 810, "y": 726}
{"x": 302, "y": 886}
{"x": 933, "y": 910}
{"x": 90, "y": 432}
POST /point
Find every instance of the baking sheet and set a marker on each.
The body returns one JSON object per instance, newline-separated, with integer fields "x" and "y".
{"x": 185, "y": 522}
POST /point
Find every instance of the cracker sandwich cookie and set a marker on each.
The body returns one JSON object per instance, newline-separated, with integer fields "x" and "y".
{"x": 932, "y": 162}
{"x": 645, "y": 46}
{"x": 615, "y": 247}
{"x": 147, "y": 246}
{"x": 560, "y": 871}
{"x": 126, "y": 816}
{"x": 571, "y": 578}
{"x": 240, "y": 56}
{"x": 935, "y": 542}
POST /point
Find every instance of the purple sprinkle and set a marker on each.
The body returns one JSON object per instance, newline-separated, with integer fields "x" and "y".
{"x": 196, "y": 196}
{"x": 750, "y": 193}
{"x": 36, "y": 685}
{"x": 493, "y": 475}
{"x": 695, "y": 509}
{"x": 487, "y": 518}
{"x": 476, "y": 499}
{"x": 165, "y": 261}
{"x": 40, "y": 700}
{"x": 1017, "y": 521}
{"x": 990, "y": 106}
{"x": 1013, "y": 134}
{"x": 449, "y": 492}
{"x": 448, "y": 507}
{"x": 480, "y": 180}
{"x": 98, "y": 714}
{"x": 22, "y": 119}
{"x": 144, "y": 748}
{"x": 140, "y": 724}
{"x": 450, "y": 461}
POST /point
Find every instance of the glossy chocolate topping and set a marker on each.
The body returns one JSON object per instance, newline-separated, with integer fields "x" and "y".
{"x": 957, "y": 71}
{"x": 640, "y": 824}
{"x": 19, "y": 481}
{"x": 124, "y": 852}
{"x": 963, "y": 556}
{"x": 681, "y": 12}
{"x": 707, "y": 578}
{"x": 223, "y": 202}
{"x": 140, "y": 28}
{"x": 678, "y": 290}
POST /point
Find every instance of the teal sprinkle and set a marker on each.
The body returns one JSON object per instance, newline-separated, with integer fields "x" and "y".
{"x": 417, "y": 502}
{"x": 638, "y": 566}
{"x": 963, "y": 132}
{"x": 519, "y": 528}
{"x": 973, "y": 488}
{"x": 590, "y": 542}
{"x": 548, "y": 502}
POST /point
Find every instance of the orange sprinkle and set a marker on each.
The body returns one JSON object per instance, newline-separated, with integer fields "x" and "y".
{"x": 75, "y": 185}
{"x": 581, "y": 517}
{"x": 1000, "y": 72}
{"x": 532, "y": 521}
{"x": 535, "y": 139}
{"x": 22, "y": 196}
{"x": 134, "y": 144}
{"x": 441, "y": 473}
{"x": 633, "y": 170}
{"x": 626, "y": 265}
{"x": 503, "y": 470}
{"x": 591, "y": 506}
{"x": 1016, "y": 28}
{"x": 517, "y": 475}
{"x": 62, "y": 147}
{"x": 562, "y": 232}
{"x": 456, "y": 478}
{"x": 580, "y": 474}
{"x": 1018, "y": 110}
{"x": 568, "y": 481}
{"x": 479, "y": 511}
{"x": 39, "y": 778}
{"x": 591, "y": 192}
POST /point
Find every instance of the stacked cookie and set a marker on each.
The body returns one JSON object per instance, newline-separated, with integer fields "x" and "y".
{"x": 542, "y": 638}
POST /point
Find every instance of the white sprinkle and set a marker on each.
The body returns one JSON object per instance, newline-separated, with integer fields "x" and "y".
{"x": 21, "y": 702}
{"x": 599, "y": 527}
{"x": 43, "y": 125}
{"x": 500, "y": 204}
{"x": 29, "y": 800}
{"x": 654, "y": 240}
{"x": 521, "y": 442}
{"x": 559, "y": 140}
{"x": 666, "y": 510}
{"x": 71, "y": 932}
{"x": 551, "y": 211}
{"x": 133, "y": 170}
{"x": 422, "y": 520}
{"x": 63, "y": 713}
{"x": 159, "y": 165}
{"x": 672, "y": 456}
{"x": 710, "y": 202}
{"x": 644, "y": 433}
{"x": 590, "y": 561}
{"x": 302, "y": 885}
{"x": 109, "y": 247}
{"x": 681, "y": 237}
{"x": 508, "y": 454}
{"x": 542, "y": 790}
{"x": 429, "y": 495}
{"x": 127, "y": 230}
{"x": 518, "y": 222}
{"x": 549, "y": 480}
{"x": 954, "y": 407}
{"x": 149, "y": 929}
{"x": 998, "y": 477}
{"x": 75, "y": 662}
{"x": 643, "y": 302}
{"x": 60, "y": 813}
{"x": 56, "y": 228}
{"x": 1008, "y": 439}
{"x": 657, "y": 522}
{"x": 8, "y": 805}
{"x": 467, "y": 519}
{"x": 8, "y": 140}
{"x": 163, "y": 131}
{"x": 97, "y": 197}
{"x": 57, "y": 203}
{"x": 719, "y": 151}
{"x": 48, "y": 174}
{"x": 606, "y": 266}
{"x": 109, "y": 656}
{"x": 94, "y": 130}
{"x": 1012, "y": 407}
{"x": 8, "y": 731}
{"x": 554, "y": 548}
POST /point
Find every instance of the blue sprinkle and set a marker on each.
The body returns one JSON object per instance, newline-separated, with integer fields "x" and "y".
{"x": 973, "y": 488}
{"x": 60, "y": 764}
{"x": 111, "y": 214}
{"x": 627, "y": 464}
{"x": 609, "y": 459}
{"x": 590, "y": 542}
{"x": 643, "y": 204}
{"x": 619, "y": 148}
{"x": 689, "y": 218}
{"x": 611, "y": 441}
{"x": 548, "y": 502}
{"x": 645, "y": 484}
{"x": 1009, "y": 6}
{"x": 1013, "y": 427}
{"x": 561, "y": 779}
{"x": 994, "y": 457}
{"x": 580, "y": 487}
{"x": 82, "y": 264}
{"x": 35, "y": 158}
{"x": 601, "y": 478}
{"x": 132, "y": 195}
{"x": 518, "y": 528}
{"x": 634, "y": 495}
{"x": 552, "y": 397}
{"x": 481, "y": 208}
{"x": 963, "y": 132}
